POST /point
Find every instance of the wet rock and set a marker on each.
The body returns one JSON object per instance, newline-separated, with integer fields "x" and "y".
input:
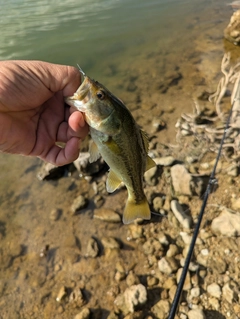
{"x": 83, "y": 314}
{"x": 92, "y": 248}
{"x": 50, "y": 171}
{"x": 79, "y": 203}
{"x": 107, "y": 215}
{"x": 227, "y": 224}
{"x": 232, "y": 31}
{"x": 135, "y": 296}
{"x": 214, "y": 290}
{"x": 84, "y": 167}
{"x": 167, "y": 265}
{"x": 184, "y": 183}
{"x": 196, "y": 314}
{"x": 182, "y": 217}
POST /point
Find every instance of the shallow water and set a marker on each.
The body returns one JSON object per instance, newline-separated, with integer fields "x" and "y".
{"x": 135, "y": 48}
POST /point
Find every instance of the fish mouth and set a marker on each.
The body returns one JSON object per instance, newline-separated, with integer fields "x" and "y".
{"x": 81, "y": 96}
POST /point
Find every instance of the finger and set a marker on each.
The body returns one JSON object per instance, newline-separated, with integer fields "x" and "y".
{"x": 77, "y": 125}
{"x": 62, "y": 156}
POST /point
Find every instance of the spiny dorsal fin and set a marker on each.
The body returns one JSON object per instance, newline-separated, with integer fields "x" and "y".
{"x": 113, "y": 181}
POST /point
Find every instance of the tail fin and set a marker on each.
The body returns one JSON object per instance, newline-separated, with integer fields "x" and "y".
{"x": 133, "y": 211}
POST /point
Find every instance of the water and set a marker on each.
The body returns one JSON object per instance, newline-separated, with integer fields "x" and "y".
{"x": 134, "y": 47}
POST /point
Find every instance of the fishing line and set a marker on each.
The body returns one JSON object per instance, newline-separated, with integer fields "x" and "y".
{"x": 212, "y": 181}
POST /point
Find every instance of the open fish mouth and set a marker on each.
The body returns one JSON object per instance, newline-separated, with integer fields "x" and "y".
{"x": 81, "y": 96}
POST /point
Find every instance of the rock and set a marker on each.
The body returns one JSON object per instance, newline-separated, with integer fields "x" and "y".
{"x": 76, "y": 297}
{"x": 55, "y": 214}
{"x": 79, "y": 203}
{"x": 151, "y": 176}
{"x": 195, "y": 292}
{"x": 167, "y": 265}
{"x": 110, "y": 243}
{"x": 187, "y": 284}
{"x": 84, "y": 167}
{"x": 161, "y": 309}
{"x": 50, "y": 171}
{"x": 232, "y": 31}
{"x": 228, "y": 293}
{"x": 107, "y": 215}
{"x": 196, "y": 314}
{"x": 61, "y": 294}
{"x": 164, "y": 161}
{"x": 135, "y": 296}
{"x": 184, "y": 183}
{"x": 158, "y": 204}
{"x": 181, "y": 180}
{"x": 172, "y": 251}
{"x": 92, "y": 248}
{"x": 227, "y": 224}
{"x": 214, "y": 290}
{"x": 134, "y": 232}
{"x": 236, "y": 204}
{"x": 83, "y": 314}
{"x": 132, "y": 279}
{"x": 182, "y": 217}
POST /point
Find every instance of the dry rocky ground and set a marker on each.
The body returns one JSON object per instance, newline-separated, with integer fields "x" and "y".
{"x": 64, "y": 250}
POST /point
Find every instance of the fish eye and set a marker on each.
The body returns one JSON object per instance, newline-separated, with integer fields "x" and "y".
{"x": 100, "y": 95}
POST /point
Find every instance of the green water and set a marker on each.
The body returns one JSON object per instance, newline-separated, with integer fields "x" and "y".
{"x": 119, "y": 43}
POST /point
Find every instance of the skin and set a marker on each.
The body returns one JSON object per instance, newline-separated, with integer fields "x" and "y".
{"x": 33, "y": 115}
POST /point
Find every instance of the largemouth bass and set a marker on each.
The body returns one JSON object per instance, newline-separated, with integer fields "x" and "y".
{"x": 122, "y": 144}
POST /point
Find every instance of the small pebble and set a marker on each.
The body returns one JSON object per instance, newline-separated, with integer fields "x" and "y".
{"x": 214, "y": 290}
{"x": 61, "y": 294}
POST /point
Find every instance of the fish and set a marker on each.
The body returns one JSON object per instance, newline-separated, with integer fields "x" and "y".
{"x": 116, "y": 137}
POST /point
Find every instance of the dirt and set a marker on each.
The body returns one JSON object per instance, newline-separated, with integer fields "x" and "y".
{"x": 43, "y": 255}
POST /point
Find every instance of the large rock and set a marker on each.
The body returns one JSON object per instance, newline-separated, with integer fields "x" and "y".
{"x": 184, "y": 183}
{"x": 227, "y": 224}
{"x": 135, "y": 296}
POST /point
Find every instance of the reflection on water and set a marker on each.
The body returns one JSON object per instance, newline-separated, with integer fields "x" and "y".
{"x": 155, "y": 55}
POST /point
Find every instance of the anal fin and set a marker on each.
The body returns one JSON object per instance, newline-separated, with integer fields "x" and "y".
{"x": 113, "y": 181}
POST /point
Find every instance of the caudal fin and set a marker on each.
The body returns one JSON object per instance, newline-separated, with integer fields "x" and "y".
{"x": 133, "y": 211}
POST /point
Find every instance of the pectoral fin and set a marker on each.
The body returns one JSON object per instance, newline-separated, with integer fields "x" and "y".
{"x": 113, "y": 182}
{"x": 150, "y": 163}
{"x": 94, "y": 153}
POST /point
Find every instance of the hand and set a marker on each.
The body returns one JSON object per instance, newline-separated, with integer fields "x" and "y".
{"x": 33, "y": 115}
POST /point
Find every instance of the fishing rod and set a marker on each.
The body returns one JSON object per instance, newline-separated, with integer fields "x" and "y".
{"x": 212, "y": 181}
